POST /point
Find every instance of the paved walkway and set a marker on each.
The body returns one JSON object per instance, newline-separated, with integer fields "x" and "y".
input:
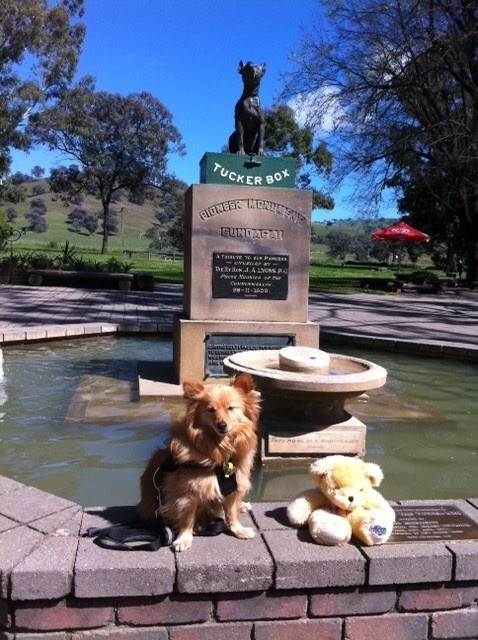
{"x": 448, "y": 321}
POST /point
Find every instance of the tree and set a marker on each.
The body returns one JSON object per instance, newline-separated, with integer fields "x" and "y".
{"x": 339, "y": 244}
{"x": 170, "y": 215}
{"x": 11, "y": 214}
{"x": 5, "y": 229}
{"x": 400, "y": 81}
{"x": 40, "y": 43}
{"x": 120, "y": 142}
{"x": 285, "y": 137}
{"x": 37, "y": 172}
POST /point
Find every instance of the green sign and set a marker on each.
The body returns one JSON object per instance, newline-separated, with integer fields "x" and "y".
{"x": 248, "y": 171}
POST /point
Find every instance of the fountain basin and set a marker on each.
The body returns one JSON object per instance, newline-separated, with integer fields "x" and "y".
{"x": 346, "y": 375}
{"x": 303, "y": 399}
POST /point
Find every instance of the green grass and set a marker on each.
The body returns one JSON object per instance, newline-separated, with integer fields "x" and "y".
{"x": 133, "y": 222}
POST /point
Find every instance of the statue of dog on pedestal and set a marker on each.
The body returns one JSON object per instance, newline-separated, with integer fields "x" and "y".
{"x": 248, "y": 137}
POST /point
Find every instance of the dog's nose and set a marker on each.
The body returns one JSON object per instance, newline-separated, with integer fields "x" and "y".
{"x": 222, "y": 426}
{"x": 351, "y": 498}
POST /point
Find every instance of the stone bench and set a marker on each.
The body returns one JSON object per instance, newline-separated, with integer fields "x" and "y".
{"x": 122, "y": 281}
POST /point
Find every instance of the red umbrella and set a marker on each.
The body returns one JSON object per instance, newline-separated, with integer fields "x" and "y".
{"x": 401, "y": 232}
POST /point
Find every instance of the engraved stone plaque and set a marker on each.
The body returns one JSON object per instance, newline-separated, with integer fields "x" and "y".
{"x": 220, "y": 346}
{"x": 248, "y": 275}
{"x": 325, "y": 441}
{"x": 425, "y": 523}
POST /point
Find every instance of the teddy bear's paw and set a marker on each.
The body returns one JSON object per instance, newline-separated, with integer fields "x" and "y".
{"x": 377, "y": 533}
{"x": 332, "y": 537}
{"x": 298, "y": 512}
{"x": 332, "y": 533}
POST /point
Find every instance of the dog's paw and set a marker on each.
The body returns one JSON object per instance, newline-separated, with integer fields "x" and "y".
{"x": 245, "y": 507}
{"x": 244, "y": 532}
{"x": 183, "y": 542}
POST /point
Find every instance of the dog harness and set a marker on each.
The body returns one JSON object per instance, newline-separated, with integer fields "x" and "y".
{"x": 134, "y": 536}
{"x": 225, "y": 474}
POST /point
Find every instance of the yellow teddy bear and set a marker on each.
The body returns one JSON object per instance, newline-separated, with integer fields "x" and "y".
{"x": 344, "y": 503}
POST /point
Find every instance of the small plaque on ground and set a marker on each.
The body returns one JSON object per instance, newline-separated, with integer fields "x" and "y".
{"x": 219, "y": 346}
{"x": 247, "y": 275}
{"x": 428, "y": 523}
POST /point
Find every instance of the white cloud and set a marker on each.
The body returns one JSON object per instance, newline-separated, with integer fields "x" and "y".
{"x": 319, "y": 109}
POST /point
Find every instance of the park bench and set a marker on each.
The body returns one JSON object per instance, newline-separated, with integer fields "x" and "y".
{"x": 89, "y": 279}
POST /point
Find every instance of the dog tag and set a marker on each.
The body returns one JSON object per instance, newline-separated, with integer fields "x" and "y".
{"x": 228, "y": 469}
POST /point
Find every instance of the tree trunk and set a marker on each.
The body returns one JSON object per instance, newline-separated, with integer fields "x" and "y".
{"x": 106, "y": 224}
{"x": 472, "y": 263}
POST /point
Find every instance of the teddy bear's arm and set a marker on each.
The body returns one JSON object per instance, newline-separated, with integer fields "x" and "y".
{"x": 300, "y": 508}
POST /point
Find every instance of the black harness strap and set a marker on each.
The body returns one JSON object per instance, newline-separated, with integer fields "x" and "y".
{"x": 226, "y": 474}
{"x": 134, "y": 536}
{"x": 130, "y": 536}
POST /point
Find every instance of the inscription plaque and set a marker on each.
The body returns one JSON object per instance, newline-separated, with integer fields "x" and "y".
{"x": 249, "y": 275}
{"x": 219, "y": 346}
{"x": 425, "y": 523}
{"x": 325, "y": 441}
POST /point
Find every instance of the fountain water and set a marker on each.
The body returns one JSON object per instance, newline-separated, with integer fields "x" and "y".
{"x": 304, "y": 392}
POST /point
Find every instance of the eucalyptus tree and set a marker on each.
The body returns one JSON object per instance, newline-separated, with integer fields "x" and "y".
{"x": 40, "y": 43}
{"x": 398, "y": 79}
{"x": 285, "y": 136}
{"x": 117, "y": 142}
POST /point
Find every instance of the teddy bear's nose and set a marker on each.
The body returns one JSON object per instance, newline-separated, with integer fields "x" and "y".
{"x": 351, "y": 498}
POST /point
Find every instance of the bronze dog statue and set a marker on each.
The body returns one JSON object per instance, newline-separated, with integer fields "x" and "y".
{"x": 248, "y": 137}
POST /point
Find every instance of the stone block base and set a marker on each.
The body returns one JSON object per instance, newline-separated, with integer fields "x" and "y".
{"x": 283, "y": 439}
{"x": 200, "y": 346}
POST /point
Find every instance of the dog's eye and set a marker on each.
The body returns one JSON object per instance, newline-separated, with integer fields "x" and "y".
{"x": 211, "y": 409}
{"x": 231, "y": 408}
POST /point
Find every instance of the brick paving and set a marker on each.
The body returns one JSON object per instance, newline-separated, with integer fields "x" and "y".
{"x": 448, "y": 320}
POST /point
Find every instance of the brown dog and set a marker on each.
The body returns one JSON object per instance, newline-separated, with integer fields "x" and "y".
{"x": 208, "y": 461}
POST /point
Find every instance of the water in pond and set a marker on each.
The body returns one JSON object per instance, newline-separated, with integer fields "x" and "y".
{"x": 71, "y": 423}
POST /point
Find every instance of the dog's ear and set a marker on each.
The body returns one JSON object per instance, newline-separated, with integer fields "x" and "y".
{"x": 243, "y": 382}
{"x": 192, "y": 390}
{"x": 252, "y": 398}
{"x": 240, "y": 67}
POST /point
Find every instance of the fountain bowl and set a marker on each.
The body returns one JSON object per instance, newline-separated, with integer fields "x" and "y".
{"x": 346, "y": 375}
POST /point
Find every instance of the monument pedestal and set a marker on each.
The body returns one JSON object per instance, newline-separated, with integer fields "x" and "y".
{"x": 246, "y": 266}
{"x": 200, "y": 346}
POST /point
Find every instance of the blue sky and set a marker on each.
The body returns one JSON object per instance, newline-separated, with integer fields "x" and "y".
{"x": 186, "y": 53}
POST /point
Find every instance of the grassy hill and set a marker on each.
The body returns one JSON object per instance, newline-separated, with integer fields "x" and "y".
{"x": 133, "y": 222}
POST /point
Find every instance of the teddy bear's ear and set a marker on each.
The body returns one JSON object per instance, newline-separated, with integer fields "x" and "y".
{"x": 373, "y": 472}
{"x": 321, "y": 467}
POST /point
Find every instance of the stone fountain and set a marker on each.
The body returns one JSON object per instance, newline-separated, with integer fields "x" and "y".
{"x": 246, "y": 286}
{"x": 304, "y": 392}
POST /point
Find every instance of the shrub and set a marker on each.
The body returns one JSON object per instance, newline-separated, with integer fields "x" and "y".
{"x": 419, "y": 277}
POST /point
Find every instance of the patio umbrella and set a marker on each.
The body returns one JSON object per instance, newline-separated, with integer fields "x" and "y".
{"x": 401, "y": 233}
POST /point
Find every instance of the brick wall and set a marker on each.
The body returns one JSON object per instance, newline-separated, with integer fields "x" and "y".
{"x": 435, "y": 611}
{"x": 57, "y": 585}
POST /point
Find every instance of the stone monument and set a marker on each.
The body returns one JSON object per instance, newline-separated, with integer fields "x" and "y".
{"x": 247, "y": 239}
{"x": 246, "y": 283}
